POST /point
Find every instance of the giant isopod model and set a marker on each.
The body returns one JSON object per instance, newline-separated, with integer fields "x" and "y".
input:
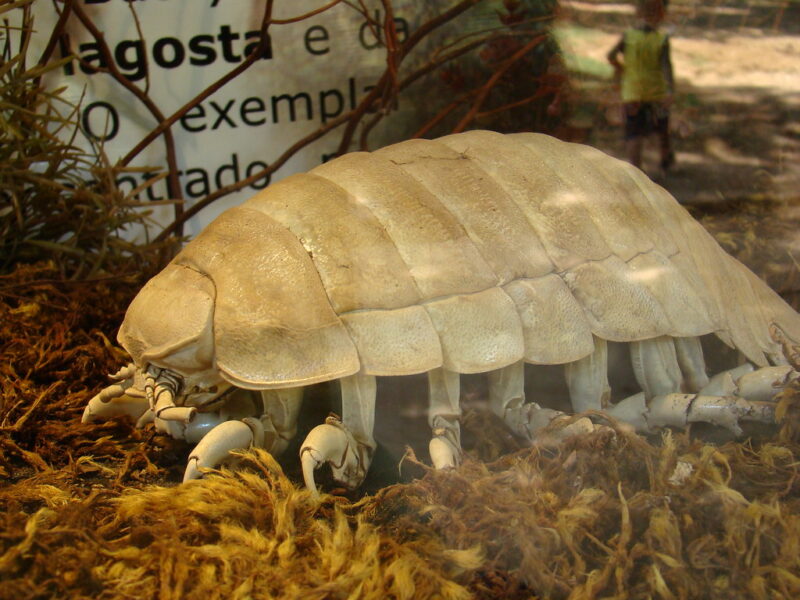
{"x": 475, "y": 252}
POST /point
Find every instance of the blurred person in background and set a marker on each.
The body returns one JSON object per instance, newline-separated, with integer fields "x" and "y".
{"x": 646, "y": 82}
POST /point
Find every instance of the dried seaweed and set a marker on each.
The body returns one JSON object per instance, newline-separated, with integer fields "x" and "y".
{"x": 58, "y": 201}
{"x": 94, "y": 510}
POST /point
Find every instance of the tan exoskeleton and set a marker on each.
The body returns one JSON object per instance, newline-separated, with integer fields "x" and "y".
{"x": 476, "y": 252}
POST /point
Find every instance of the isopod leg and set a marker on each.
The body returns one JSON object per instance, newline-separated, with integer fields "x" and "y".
{"x": 762, "y": 384}
{"x": 745, "y": 381}
{"x": 280, "y": 411}
{"x": 117, "y": 399}
{"x": 444, "y": 412}
{"x": 358, "y": 407}
{"x": 724, "y": 383}
{"x": 679, "y": 410}
{"x": 216, "y": 445}
{"x": 346, "y": 445}
{"x": 655, "y": 366}
{"x": 100, "y": 408}
{"x": 587, "y": 379}
{"x": 692, "y": 364}
{"x": 663, "y": 366}
{"x": 507, "y": 400}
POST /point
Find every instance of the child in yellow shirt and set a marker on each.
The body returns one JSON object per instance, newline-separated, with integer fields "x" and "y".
{"x": 647, "y": 82}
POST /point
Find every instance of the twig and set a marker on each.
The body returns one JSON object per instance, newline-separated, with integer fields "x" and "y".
{"x": 92, "y": 280}
{"x": 58, "y": 31}
{"x": 307, "y": 15}
{"x": 173, "y": 184}
{"x": 165, "y": 124}
{"x": 492, "y": 81}
{"x": 17, "y": 426}
{"x": 540, "y": 92}
{"x": 428, "y": 67}
{"x": 442, "y": 114}
{"x": 403, "y": 51}
{"x": 145, "y": 61}
{"x": 32, "y": 458}
{"x": 228, "y": 189}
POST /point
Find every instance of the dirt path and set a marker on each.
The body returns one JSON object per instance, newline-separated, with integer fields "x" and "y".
{"x": 736, "y": 121}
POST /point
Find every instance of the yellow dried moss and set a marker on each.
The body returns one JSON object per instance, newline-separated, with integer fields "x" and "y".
{"x": 94, "y": 511}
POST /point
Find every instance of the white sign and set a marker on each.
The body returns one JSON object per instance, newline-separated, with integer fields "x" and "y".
{"x": 311, "y": 71}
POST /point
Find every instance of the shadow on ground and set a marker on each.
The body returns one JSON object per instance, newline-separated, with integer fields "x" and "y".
{"x": 735, "y": 121}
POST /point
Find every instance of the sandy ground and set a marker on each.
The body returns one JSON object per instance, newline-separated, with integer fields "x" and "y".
{"x": 736, "y": 119}
{"x": 737, "y": 100}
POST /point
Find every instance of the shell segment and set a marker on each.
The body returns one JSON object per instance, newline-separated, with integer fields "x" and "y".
{"x": 491, "y": 218}
{"x": 618, "y": 307}
{"x": 567, "y": 234}
{"x": 395, "y": 342}
{"x": 679, "y": 301}
{"x": 616, "y": 216}
{"x": 437, "y": 251}
{"x": 357, "y": 261}
{"x": 554, "y": 324}
{"x": 273, "y": 323}
{"x": 478, "y": 332}
{"x": 644, "y": 214}
{"x": 169, "y": 321}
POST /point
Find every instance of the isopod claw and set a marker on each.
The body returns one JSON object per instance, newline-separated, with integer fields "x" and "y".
{"x": 216, "y": 445}
{"x": 102, "y": 407}
{"x": 333, "y": 444}
{"x": 445, "y": 454}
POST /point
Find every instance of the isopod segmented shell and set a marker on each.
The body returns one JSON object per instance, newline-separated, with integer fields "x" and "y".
{"x": 470, "y": 252}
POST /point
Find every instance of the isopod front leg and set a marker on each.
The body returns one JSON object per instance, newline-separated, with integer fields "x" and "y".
{"x": 124, "y": 397}
{"x": 347, "y": 445}
{"x": 525, "y": 419}
{"x": 281, "y": 408}
{"x": 218, "y": 433}
{"x": 444, "y": 414}
{"x": 100, "y": 408}
{"x": 215, "y": 447}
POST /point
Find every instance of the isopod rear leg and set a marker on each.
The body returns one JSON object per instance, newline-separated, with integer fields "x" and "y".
{"x": 679, "y": 410}
{"x": 665, "y": 367}
{"x": 691, "y": 362}
{"x": 655, "y": 366}
{"x": 745, "y": 381}
{"x": 347, "y": 445}
{"x": 525, "y": 419}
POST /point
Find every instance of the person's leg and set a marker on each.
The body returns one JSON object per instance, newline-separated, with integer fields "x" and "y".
{"x": 665, "y": 143}
{"x": 634, "y": 147}
{"x": 634, "y": 138}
